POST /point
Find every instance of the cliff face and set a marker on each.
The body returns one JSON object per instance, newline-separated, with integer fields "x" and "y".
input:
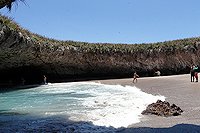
{"x": 24, "y": 58}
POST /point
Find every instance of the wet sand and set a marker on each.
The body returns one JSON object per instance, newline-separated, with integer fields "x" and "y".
{"x": 178, "y": 90}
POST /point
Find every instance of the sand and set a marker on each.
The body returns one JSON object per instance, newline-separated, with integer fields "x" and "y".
{"x": 178, "y": 90}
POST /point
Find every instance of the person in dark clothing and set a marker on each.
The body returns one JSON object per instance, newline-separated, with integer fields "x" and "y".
{"x": 192, "y": 73}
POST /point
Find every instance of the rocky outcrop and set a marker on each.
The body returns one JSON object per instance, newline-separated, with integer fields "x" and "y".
{"x": 161, "y": 108}
{"x": 27, "y": 57}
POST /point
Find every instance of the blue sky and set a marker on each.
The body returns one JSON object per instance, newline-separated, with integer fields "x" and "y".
{"x": 109, "y": 21}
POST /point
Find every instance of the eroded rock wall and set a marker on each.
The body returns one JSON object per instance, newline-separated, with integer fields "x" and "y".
{"x": 24, "y": 58}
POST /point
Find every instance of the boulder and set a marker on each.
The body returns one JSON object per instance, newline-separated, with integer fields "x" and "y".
{"x": 162, "y": 108}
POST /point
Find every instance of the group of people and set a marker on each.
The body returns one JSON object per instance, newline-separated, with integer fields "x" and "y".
{"x": 194, "y": 73}
{"x": 135, "y": 76}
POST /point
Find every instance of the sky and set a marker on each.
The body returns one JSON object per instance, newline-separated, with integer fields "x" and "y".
{"x": 109, "y": 21}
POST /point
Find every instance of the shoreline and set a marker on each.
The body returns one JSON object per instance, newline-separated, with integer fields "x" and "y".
{"x": 177, "y": 89}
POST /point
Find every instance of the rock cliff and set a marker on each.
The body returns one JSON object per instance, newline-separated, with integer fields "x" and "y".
{"x": 25, "y": 56}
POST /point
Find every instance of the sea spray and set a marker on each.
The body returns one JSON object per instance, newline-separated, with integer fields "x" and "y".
{"x": 116, "y": 105}
{"x": 103, "y": 105}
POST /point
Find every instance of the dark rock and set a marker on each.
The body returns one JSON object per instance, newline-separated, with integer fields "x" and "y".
{"x": 24, "y": 55}
{"x": 161, "y": 108}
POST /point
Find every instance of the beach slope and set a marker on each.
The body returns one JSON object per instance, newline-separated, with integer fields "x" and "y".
{"x": 178, "y": 90}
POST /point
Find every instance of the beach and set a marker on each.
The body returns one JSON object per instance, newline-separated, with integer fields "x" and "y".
{"x": 178, "y": 90}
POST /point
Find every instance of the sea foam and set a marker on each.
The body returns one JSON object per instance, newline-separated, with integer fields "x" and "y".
{"x": 103, "y": 105}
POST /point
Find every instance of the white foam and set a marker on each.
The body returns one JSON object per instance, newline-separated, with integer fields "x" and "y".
{"x": 110, "y": 105}
{"x": 116, "y": 105}
{"x": 103, "y": 105}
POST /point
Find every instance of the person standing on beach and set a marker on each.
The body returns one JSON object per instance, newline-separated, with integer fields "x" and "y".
{"x": 196, "y": 72}
{"x": 158, "y": 73}
{"x": 192, "y": 73}
{"x": 45, "y": 79}
{"x": 135, "y": 76}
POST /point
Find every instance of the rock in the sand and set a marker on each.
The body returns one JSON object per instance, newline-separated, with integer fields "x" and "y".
{"x": 161, "y": 108}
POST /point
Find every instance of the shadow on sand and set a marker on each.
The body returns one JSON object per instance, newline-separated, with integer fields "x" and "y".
{"x": 23, "y": 123}
{"x": 179, "y": 128}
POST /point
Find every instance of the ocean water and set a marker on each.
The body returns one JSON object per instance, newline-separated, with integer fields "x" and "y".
{"x": 77, "y": 107}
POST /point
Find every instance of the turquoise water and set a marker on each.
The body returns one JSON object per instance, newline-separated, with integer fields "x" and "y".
{"x": 92, "y": 103}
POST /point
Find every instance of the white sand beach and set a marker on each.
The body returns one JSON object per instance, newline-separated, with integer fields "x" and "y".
{"x": 178, "y": 90}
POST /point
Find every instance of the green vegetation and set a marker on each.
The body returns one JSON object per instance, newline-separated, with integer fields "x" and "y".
{"x": 99, "y": 47}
